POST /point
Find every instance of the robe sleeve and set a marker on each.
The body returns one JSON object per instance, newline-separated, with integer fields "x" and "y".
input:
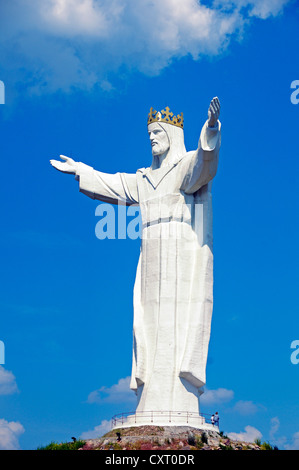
{"x": 118, "y": 188}
{"x": 200, "y": 167}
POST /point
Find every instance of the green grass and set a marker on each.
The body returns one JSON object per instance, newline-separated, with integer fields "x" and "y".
{"x": 63, "y": 446}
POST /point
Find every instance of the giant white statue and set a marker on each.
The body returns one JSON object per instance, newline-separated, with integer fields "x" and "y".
{"x": 173, "y": 292}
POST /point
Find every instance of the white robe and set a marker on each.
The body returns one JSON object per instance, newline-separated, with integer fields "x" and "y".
{"x": 173, "y": 292}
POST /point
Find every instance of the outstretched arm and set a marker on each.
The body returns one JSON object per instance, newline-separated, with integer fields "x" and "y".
{"x": 118, "y": 188}
{"x": 200, "y": 166}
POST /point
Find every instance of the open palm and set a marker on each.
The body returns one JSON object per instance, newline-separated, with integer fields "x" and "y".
{"x": 68, "y": 166}
{"x": 214, "y": 112}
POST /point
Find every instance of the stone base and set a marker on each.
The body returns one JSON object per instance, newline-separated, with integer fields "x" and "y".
{"x": 160, "y": 438}
{"x": 155, "y": 438}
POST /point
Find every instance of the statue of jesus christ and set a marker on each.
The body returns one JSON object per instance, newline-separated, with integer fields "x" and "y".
{"x": 173, "y": 292}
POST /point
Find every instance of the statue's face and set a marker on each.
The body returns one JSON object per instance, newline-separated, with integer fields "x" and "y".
{"x": 159, "y": 139}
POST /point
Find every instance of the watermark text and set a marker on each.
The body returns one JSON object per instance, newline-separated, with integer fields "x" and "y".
{"x": 2, "y": 353}
{"x": 150, "y": 221}
{"x": 295, "y": 94}
{"x": 295, "y": 353}
{"x": 2, "y": 92}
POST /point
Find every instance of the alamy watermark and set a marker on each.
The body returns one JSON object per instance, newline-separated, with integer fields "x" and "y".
{"x": 295, "y": 353}
{"x": 295, "y": 94}
{"x": 118, "y": 224}
{"x": 178, "y": 221}
{"x": 2, "y": 353}
{"x": 2, "y": 92}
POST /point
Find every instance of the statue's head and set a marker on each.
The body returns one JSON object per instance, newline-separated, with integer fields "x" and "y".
{"x": 166, "y": 134}
{"x": 159, "y": 139}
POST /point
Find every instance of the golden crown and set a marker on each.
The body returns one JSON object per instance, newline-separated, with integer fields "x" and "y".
{"x": 165, "y": 116}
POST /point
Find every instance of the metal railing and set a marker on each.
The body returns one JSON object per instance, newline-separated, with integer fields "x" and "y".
{"x": 167, "y": 416}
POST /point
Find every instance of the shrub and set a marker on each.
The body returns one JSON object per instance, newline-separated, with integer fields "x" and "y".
{"x": 266, "y": 446}
{"x": 63, "y": 446}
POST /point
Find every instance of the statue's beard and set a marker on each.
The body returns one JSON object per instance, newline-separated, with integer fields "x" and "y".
{"x": 158, "y": 150}
{"x": 159, "y": 158}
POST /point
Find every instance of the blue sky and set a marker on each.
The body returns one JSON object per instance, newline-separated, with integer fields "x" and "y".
{"x": 73, "y": 87}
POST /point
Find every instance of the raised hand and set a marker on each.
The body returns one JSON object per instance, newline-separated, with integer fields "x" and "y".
{"x": 69, "y": 166}
{"x": 214, "y": 112}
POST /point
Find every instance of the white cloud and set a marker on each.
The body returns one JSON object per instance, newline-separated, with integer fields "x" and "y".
{"x": 75, "y": 16}
{"x": 259, "y": 8}
{"x": 294, "y": 443}
{"x": 249, "y": 435}
{"x": 9, "y": 434}
{"x": 60, "y": 44}
{"x": 97, "y": 431}
{"x": 118, "y": 393}
{"x": 9, "y": 431}
{"x": 8, "y": 383}
{"x": 220, "y": 395}
{"x": 275, "y": 424}
{"x": 244, "y": 407}
{"x": 279, "y": 441}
